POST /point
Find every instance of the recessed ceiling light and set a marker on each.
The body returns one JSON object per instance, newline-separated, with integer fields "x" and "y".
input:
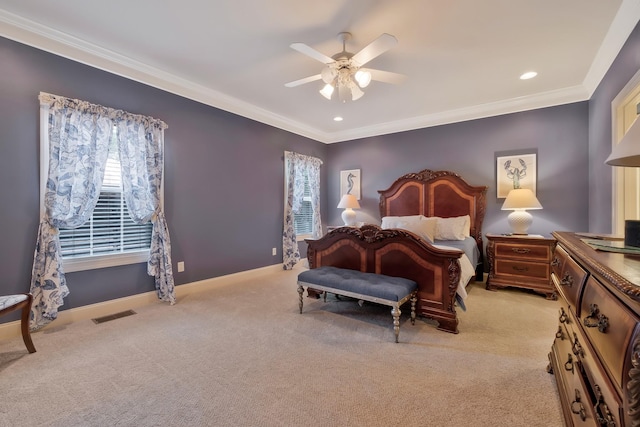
{"x": 337, "y": 119}
{"x": 528, "y": 75}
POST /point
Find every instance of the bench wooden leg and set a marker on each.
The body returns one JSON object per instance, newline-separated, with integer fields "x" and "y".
{"x": 395, "y": 312}
{"x": 413, "y": 309}
{"x": 300, "y": 292}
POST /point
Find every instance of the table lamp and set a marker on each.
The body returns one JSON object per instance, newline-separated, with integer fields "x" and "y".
{"x": 627, "y": 153}
{"x": 349, "y": 203}
{"x": 519, "y": 200}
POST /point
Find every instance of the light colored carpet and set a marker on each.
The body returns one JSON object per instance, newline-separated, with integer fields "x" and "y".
{"x": 242, "y": 355}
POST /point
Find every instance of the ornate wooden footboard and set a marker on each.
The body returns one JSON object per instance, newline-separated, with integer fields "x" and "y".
{"x": 396, "y": 253}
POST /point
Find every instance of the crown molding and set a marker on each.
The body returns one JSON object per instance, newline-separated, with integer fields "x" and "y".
{"x": 623, "y": 24}
{"x": 27, "y": 32}
{"x": 36, "y": 35}
{"x": 515, "y": 105}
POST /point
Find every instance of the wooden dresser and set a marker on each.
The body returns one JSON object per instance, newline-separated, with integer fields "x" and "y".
{"x": 595, "y": 355}
{"x": 522, "y": 261}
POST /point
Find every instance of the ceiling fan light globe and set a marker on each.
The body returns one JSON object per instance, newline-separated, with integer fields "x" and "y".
{"x": 363, "y": 78}
{"x": 327, "y": 91}
{"x": 356, "y": 93}
{"x": 328, "y": 74}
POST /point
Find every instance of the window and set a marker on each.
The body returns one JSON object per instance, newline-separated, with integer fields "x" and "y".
{"x": 303, "y": 219}
{"x": 626, "y": 181}
{"x": 110, "y": 237}
{"x": 110, "y": 230}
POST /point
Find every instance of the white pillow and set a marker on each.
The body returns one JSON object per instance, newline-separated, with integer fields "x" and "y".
{"x": 454, "y": 228}
{"x": 393, "y": 221}
{"x": 424, "y": 227}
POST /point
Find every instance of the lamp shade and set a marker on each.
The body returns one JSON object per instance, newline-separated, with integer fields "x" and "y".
{"x": 521, "y": 198}
{"x": 627, "y": 151}
{"x": 349, "y": 201}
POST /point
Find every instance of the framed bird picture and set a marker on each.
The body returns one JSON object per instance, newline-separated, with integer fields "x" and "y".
{"x": 350, "y": 182}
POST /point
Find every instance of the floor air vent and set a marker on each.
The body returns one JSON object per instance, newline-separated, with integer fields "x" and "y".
{"x": 114, "y": 316}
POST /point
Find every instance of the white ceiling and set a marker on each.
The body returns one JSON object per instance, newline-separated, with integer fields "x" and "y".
{"x": 462, "y": 58}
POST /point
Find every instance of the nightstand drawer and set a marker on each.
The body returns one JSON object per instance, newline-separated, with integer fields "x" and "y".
{"x": 523, "y": 251}
{"x": 520, "y": 268}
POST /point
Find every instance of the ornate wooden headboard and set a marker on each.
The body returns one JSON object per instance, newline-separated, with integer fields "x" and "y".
{"x": 436, "y": 193}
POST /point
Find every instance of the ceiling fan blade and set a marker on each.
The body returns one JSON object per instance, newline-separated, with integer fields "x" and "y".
{"x": 303, "y": 81}
{"x": 375, "y": 48}
{"x": 385, "y": 76}
{"x": 311, "y": 52}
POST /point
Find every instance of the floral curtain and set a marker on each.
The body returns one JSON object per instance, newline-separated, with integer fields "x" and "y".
{"x": 141, "y": 145}
{"x": 297, "y": 167}
{"x": 78, "y": 147}
{"x": 78, "y": 134}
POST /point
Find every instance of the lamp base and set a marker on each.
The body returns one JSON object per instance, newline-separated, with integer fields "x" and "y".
{"x": 349, "y": 217}
{"x": 632, "y": 233}
{"x": 520, "y": 221}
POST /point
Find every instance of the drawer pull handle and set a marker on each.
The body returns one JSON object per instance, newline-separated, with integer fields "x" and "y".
{"x": 555, "y": 262}
{"x": 595, "y": 319}
{"x": 580, "y": 411}
{"x": 563, "y": 316}
{"x": 568, "y": 366}
{"x": 521, "y": 250}
{"x": 560, "y": 334}
{"x": 567, "y": 280}
{"x": 520, "y": 268}
{"x": 603, "y": 414}
{"x": 576, "y": 347}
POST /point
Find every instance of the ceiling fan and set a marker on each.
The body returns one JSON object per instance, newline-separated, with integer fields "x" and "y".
{"x": 343, "y": 71}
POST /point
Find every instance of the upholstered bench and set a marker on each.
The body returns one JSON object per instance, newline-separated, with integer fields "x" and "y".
{"x": 9, "y": 303}
{"x": 377, "y": 288}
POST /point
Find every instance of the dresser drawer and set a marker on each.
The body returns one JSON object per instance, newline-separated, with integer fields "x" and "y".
{"x": 557, "y": 261}
{"x": 521, "y": 268}
{"x": 609, "y": 326}
{"x": 570, "y": 282}
{"x": 523, "y": 251}
{"x": 605, "y": 399}
{"x": 572, "y": 387}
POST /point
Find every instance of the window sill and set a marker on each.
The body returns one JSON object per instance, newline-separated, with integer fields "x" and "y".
{"x": 103, "y": 261}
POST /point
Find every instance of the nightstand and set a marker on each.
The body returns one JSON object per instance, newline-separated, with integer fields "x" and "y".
{"x": 522, "y": 261}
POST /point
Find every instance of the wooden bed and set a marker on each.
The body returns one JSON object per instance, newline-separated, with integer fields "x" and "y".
{"x": 400, "y": 253}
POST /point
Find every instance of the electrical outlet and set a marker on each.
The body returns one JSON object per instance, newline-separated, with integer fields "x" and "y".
{"x": 274, "y": 251}
{"x": 180, "y": 266}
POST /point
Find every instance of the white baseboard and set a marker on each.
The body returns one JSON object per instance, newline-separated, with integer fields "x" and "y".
{"x": 12, "y": 329}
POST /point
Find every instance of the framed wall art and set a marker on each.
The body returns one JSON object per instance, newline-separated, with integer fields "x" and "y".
{"x": 515, "y": 171}
{"x": 350, "y": 182}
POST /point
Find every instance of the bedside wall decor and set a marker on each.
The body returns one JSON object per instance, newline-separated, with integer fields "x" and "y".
{"x": 350, "y": 182}
{"x": 515, "y": 171}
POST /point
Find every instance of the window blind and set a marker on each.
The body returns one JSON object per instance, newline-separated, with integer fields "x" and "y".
{"x": 303, "y": 219}
{"x": 110, "y": 230}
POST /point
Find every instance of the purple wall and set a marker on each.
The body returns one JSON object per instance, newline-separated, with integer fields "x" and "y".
{"x": 620, "y": 73}
{"x": 558, "y": 135}
{"x": 223, "y": 188}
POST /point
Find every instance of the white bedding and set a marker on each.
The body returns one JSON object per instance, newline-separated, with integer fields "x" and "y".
{"x": 466, "y": 273}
